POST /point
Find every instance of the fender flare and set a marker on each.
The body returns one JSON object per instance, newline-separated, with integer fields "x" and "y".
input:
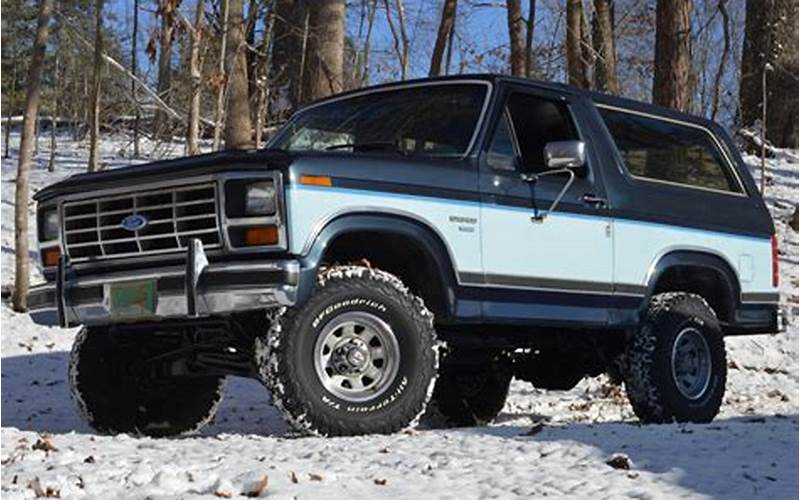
{"x": 425, "y": 236}
{"x": 695, "y": 258}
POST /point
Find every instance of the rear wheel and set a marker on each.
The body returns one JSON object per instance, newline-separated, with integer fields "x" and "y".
{"x": 113, "y": 396}
{"x": 676, "y": 368}
{"x": 469, "y": 396}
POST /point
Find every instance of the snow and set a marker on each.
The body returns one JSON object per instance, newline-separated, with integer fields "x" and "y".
{"x": 543, "y": 443}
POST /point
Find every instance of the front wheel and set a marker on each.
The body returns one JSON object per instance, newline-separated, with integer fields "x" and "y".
{"x": 676, "y": 366}
{"x": 358, "y": 358}
{"x": 114, "y": 397}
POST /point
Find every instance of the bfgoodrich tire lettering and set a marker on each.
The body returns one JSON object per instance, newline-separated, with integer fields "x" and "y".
{"x": 113, "y": 399}
{"x": 299, "y": 390}
{"x": 650, "y": 380}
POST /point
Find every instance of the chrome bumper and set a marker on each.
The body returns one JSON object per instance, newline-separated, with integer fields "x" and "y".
{"x": 198, "y": 290}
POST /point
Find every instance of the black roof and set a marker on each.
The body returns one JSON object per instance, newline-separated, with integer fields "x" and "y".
{"x": 598, "y": 97}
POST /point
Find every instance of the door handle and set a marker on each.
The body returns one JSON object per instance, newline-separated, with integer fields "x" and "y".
{"x": 593, "y": 200}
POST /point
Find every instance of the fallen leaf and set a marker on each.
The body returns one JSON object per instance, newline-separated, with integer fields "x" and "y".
{"x": 314, "y": 477}
{"x": 44, "y": 444}
{"x": 536, "y": 429}
{"x": 619, "y": 461}
{"x": 257, "y": 488}
{"x": 380, "y": 482}
{"x": 293, "y": 477}
{"x": 88, "y": 460}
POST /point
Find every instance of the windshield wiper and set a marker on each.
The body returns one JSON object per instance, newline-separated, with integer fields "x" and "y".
{"x": 368, "y": 146}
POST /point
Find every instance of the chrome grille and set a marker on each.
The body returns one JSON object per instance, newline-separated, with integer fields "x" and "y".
{"x": 93, "y": 228}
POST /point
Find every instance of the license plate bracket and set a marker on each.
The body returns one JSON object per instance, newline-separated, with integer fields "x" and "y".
{"x": 132, "y": 299}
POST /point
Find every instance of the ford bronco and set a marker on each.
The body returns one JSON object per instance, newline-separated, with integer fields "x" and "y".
{"x": 414, "y": 243}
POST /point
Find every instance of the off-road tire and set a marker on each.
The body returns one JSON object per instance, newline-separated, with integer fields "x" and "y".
{"x": 288, "y": 368}
{"x": 649, "y": 382}
{"x": 114, "y": 400}
{"x": 468, "y": 396}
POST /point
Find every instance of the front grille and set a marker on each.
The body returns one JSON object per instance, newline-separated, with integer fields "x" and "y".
{"x": 93, "y": 228}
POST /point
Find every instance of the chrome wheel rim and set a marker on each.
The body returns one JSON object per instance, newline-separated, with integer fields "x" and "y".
{"x": 691, "y": 363}
{"x": 356, "y": 356}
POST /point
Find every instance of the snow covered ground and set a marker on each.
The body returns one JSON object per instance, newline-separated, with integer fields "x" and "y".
{"x": 750, "y": 451}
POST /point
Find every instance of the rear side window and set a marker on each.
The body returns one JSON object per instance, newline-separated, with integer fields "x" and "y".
{"x": 667, "y": 151}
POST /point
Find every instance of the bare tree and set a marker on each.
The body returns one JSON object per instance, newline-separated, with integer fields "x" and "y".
{"x": 361, "y": 66}
{"x": 576, "y": 64}
{"x": 401, "y": 43}
{"x": 221, "y": 80}
{"x": 325, "y": 50}
{"x": 134, "y": 70}
{"x": 529, "y": 25}
{"x": 262, "y": 71}
{"x": 605, "y": 73}
{"x": 196, "y": 33}
{"x": 445, "y": 28}
{"x": 238, "y": 129}
{"x": 723, "y": 60}
{"x": 515, "y": 23}
{"x": 22, "y": 265}
{"x": 771, "y": 41}
{"x": 167, "y": 10}
{"x": 94, "y": 99}
{"x": 673, "y": 55}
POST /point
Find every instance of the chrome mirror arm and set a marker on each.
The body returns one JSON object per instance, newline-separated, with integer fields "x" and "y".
{"x": 533, "y": 178}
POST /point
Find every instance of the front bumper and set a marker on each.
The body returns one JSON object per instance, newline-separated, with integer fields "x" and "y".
{"x": 217, "y": 289}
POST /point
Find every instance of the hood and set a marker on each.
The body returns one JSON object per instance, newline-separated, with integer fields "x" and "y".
{"x": 211, "y": 163}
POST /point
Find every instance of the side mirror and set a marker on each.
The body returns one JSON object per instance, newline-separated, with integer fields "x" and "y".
{"x": 565, "y": 154}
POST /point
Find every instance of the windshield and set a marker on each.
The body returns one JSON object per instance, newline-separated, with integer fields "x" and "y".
{"x": 429, "y": 120}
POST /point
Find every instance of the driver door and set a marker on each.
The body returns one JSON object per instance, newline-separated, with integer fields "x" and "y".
{"x": 560, "y": 268}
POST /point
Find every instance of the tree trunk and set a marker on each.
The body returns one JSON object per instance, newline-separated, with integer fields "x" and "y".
{"x": 673, "y": 55}
{"x": 514, "y": 18}
{"x": 51, "y": 164}
{"x": 22, "y": 261}
{"x": 605, "y": 69}
{"x": 10, "y": 109}
{"x": 193, "y": 130}
{"x": 238, "y": 130}
{"x": 285, "y": 70}
{"x": 771, "y": 39}
{"x": 166, "y": 9}
{"x": 723, "y": 60}
{"x": 222, "y": 78}
{"x": 94, "y": 98}
{"x": 262, "y": 81}
{"x": 134, "y": 69}
{"x": 576, "y": 65}
{"x": 445, "y": 27}
{"x": 363, "y": 72}
{"x": 529, "y": 25}
{"x": 325, "y": 50}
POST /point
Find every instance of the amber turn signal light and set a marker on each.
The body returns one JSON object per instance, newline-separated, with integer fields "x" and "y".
{"x": 50, "y": 256}
{"x": 316, "y": 180}
{"x": 261, "y": 236}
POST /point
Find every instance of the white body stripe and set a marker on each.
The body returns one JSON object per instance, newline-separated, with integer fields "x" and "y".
{"x": 639, "y": 245}
{"x": 309, "y": 208}
{"x": 565, "y": 246}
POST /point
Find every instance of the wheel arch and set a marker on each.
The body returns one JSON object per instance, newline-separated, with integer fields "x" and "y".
{"x": 398, "y": 235}
{"x": 695, "y": 271}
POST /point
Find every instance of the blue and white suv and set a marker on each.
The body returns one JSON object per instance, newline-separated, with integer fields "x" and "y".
{"x": 414, "y": 245}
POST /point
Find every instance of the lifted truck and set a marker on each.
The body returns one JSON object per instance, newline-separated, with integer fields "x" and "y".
{"x": 408, "y": 244}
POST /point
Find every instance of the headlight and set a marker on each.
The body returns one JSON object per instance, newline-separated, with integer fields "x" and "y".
{"x": 48, "y": 224}
{"x": 250, "y": 198}
{"x": 259, "y": 198}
